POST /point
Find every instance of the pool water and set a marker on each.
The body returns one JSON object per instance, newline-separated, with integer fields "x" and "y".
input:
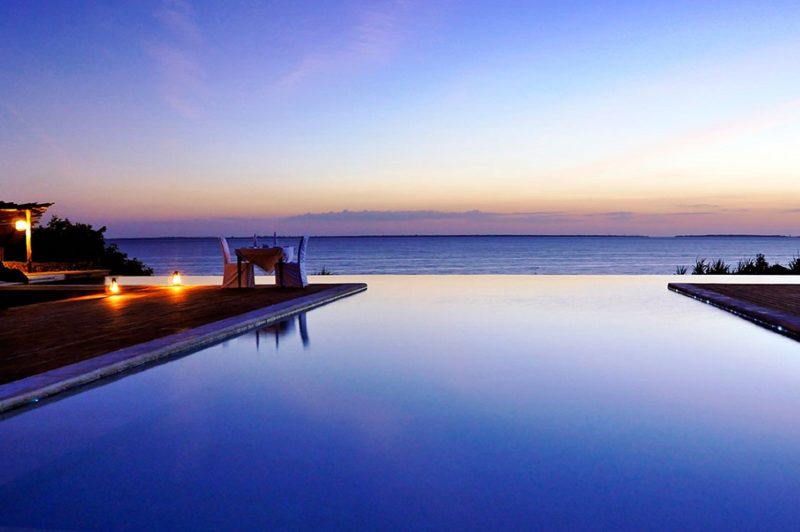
{"x": 434, "y": 402}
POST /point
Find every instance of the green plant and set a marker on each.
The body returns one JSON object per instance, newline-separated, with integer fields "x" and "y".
{"x": 680, "y": 270}
{"x": 745, "y": 266}
{"x": 794, "y": 264}
{"x": 700, "y": 267}
{"x": 119, "y": 263}
{"x": 761, "y": 264}
{"x": 64, "y": 241}
{"x": 718, "y": 267}
{"x": 749, "y": 266}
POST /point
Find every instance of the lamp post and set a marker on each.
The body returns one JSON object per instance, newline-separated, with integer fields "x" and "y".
{"x": 25, "y": 225}
{"x": 28, "y": 249}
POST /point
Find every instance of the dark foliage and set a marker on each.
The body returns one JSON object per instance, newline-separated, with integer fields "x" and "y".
{"x": 718, "y": 267}
{"x": 680, "y": 270}
{"x": 700, "y": 267}
{"x": 10, "y": 275}
{"x": 749, "y": 266}
{"x": 753, "y": 267}
{"x": 760, "y": 266}
{"x": 119, "y": 263}
{"x": 64, "y": 241}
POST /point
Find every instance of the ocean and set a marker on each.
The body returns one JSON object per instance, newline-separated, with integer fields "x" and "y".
{"x": 527, "y": 255}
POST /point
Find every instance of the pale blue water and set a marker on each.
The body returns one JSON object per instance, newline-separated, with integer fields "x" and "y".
{"x": 435, "y": 402}
{"x": 475, "y": 254}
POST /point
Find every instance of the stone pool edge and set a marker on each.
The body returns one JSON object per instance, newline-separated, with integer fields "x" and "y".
{"x": 36, "y": 387}
{"x": 775, "y": 320}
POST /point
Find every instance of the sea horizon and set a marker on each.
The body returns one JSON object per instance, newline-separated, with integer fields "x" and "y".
{"x": 474, "y": 254}
{"x": 467, "y": 235}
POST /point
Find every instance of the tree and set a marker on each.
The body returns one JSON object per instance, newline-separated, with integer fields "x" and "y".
{"x": 64, "y": 241}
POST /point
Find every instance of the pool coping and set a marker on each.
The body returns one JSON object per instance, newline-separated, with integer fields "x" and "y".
{"x": 32, "y": 389}
{"x": 775, "y": 320}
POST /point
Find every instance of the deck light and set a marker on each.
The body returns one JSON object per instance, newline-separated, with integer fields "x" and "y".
{"x": 114, "y": 288}
{"x": 175, "y": 280}
{"x": 21, "y": 225}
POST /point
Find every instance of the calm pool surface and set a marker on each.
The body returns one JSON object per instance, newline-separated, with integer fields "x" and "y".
{"x": 435, "y": 402}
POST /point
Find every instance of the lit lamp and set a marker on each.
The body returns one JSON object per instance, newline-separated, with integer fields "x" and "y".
{"x": 25, "y": 225}
{"x": 114, "y": 287}
{"x": 175, "y": 279}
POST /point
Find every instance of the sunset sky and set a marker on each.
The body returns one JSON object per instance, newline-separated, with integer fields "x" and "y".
{"x": 346, "y": 117}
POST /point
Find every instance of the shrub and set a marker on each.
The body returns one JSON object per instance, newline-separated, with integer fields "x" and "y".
{"x": 757, "y": 266}
{"x": 700, "y": 267}
{"x": 718, "y": 267}
{"x": 64, "y": 241}
{"x": 10, "y": 275}
{"x": 745, "y": 266}
{"x": 761, "y": 264}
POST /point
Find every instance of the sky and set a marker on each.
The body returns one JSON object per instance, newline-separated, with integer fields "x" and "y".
{"x": 189, "y": 118}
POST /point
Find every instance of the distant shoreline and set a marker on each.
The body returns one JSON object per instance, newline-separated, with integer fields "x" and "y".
{"x": 454, "y": 236}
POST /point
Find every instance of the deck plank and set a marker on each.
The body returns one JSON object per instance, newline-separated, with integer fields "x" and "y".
{"x": 44, "y": 336}
{"x": 773, "y": 306}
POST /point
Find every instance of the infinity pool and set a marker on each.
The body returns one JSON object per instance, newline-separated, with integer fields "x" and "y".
{"x": 435, "y": 402}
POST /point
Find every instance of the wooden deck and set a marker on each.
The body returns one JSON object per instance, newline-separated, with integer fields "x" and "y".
{"x": 44, "y": 336}
{"x": 773, "y": 306}
{"x": 14, "y": 295}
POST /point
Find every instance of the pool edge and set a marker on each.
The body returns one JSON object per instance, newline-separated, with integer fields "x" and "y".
{"x": 31, "y": 390}
{"x": 777, "y": 321}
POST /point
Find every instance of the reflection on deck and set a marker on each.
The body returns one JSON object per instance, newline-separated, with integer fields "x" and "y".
{"x": 284, "y": 328}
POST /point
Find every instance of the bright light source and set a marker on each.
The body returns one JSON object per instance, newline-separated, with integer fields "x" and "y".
{"x": 114, "y": 288}
{"x": 21, "y": 225}
{"x": 176, "y": 278}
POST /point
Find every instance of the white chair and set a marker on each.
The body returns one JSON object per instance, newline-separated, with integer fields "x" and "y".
{"x": 230, "y": 273}
{"x": 294, "y": 273}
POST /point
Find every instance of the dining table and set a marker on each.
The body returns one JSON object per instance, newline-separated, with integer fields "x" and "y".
{"x": 268, "y": 259}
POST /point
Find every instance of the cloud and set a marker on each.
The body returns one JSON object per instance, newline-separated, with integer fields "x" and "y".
{"x": 433, "y": 222}
{"x": 182, "y": 75}
{"x": 404, "y": 216}
{"x": 375, "y": 36}
{"x": 614, "y": 215}
{"x": 690, "y": 213}
{"x": 374, "y": 216}
{"x": 697, "y": 206}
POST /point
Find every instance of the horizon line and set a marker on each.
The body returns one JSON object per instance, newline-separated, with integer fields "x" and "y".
{"x": 468, "y": 235}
